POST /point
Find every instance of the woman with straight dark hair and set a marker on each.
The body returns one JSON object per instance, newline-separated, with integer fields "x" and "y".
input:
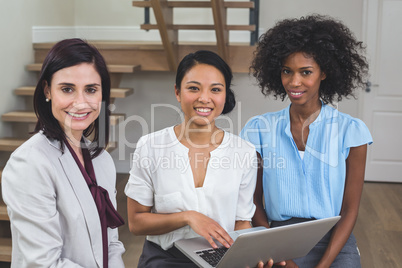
{"x": 59, "y": 186}
{"x": 184, "y": 181}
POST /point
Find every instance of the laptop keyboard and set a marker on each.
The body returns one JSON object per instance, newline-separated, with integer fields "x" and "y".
{"x": 212, "y": 256}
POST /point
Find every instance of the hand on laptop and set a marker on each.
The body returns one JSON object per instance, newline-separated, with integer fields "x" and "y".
{"x": 270, "y": 264}
{"x": 208, "y": 228}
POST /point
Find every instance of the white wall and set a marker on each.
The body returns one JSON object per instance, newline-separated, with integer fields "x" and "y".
{"x": 348, "y": 11}
{"x": 150, "y": 88}
{"x": 16, "y": 20}
{"x": 107, "y": 13}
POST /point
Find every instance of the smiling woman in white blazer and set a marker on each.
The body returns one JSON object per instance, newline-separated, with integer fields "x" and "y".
{"x": 59, "y": 186}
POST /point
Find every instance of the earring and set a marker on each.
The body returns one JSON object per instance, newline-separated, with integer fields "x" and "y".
{"x": 47, "y": 100}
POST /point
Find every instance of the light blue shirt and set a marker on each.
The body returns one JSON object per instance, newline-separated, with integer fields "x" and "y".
{"x": 311, "y": 187}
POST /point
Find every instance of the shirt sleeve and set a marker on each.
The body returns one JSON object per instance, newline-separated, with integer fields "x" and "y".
{"x": 245, "y": 204}
{"x": 356, "y": 134}
{"x": 251, "y": 133}
{"x": 116, "y": 249}
{"x": 139, "y": 186}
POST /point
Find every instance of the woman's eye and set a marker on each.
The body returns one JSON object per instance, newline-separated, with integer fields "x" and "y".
{"x": 66, "y": 89}
{"x": 216, "y": 89}
{"x": 306, "y": 72}
{"x": 91, "y": 90}
{"x": 193, "y": 88}
{"x": 285, "y": 71}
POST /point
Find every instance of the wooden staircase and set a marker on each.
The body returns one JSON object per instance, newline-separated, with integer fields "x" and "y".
{"x": 163, "y": 11}
{"x": 127, "y": 58}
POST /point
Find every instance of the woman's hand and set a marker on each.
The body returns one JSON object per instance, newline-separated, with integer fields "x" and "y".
{"x": 209, "y": 229}
{"x": 270, "y": 264}
{"x": 143, "y": 222}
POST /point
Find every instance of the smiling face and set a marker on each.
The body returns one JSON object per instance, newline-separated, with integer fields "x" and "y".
{"x": 202, "y": 95}
{"x": 76, "y": 95}
{"x": 301, "y": 77}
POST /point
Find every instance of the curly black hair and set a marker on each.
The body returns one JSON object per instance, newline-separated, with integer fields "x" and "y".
{"x": 332, "y": 45}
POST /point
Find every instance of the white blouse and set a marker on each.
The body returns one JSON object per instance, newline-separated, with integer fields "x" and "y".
{"x": 161, "y": 177}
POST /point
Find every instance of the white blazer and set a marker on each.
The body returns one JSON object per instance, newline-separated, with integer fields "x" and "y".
{"x": 53, "y": 217}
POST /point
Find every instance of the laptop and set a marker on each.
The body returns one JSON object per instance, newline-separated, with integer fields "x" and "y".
{"x": 258, "y": 244}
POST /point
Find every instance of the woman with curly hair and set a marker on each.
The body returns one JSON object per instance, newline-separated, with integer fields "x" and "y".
{"x": 313, "y": 156}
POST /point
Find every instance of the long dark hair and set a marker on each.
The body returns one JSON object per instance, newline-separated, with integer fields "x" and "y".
{"x": 64, "y": 54}
{"x": 213, "y": 59}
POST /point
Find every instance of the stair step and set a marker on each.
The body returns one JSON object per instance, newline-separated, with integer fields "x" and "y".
{"x": 142, "y": 4}
{"x": 115, "y": 119}
{"x": 111, "y": 45}
{"x": 113, "y": 68}
{"x": 114, "y": 92}
{"x": 5, "y": 249}
{"x": 111, "y": 146}
{"x": 30, "y": 117}
{"x": 19, "y": 116}
{"x": 195, "y": 4}
{"x": 200, "y": 27}
{"x": 3, "y": 212}
{"x": 10, "y": 144}
{"x": 120, "y": 92}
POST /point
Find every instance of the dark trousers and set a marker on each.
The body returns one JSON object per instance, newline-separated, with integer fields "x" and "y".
{"x": 153, "y": 256}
